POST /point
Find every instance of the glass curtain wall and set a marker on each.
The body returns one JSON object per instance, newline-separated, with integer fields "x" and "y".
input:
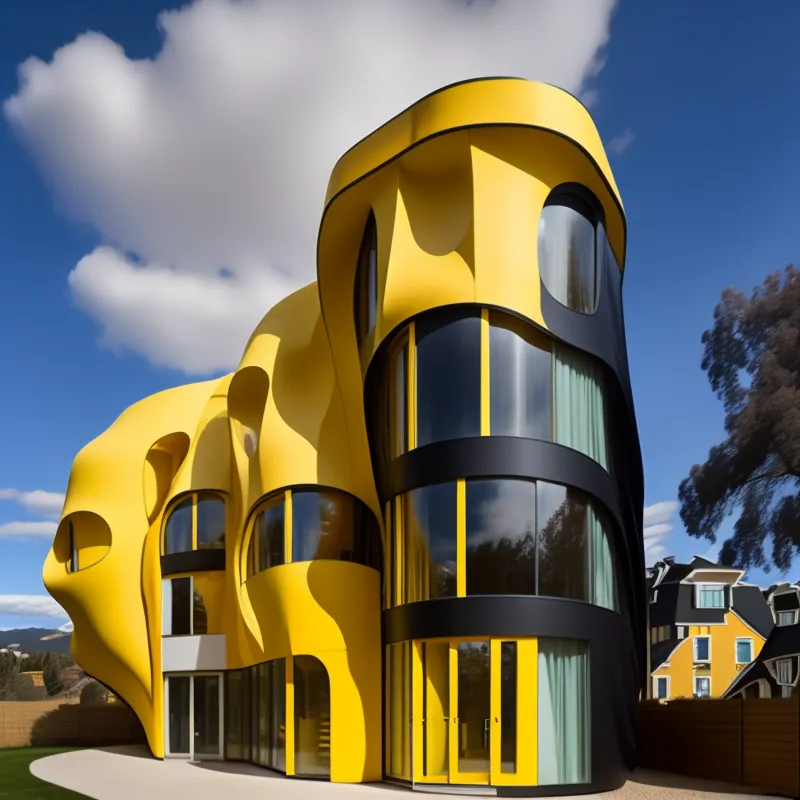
{"x": 563, "y": 712}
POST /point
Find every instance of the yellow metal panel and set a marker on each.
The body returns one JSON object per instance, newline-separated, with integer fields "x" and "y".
{"x": 485, "y": 374}
{"x": 461, "y": 538}
{"x": 495, "y": 656}
{"x": 417, "y": 710}
{"x": 527, "y": 711}
{"x": 452, "y": 739}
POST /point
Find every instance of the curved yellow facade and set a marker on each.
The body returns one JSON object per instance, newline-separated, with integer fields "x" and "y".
{"x": 255, "y": 498}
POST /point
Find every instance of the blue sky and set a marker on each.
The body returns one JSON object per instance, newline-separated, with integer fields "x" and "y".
{"x": 698, "y": 104}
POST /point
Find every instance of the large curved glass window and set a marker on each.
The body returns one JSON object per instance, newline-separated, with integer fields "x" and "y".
{"x": 520, "y": 383}
{"x": 267, "y": 542}
{"x": 567, "y": 253}
{"x": 448, "y": 378}
{"x": 366, "y": 285}
{"x": 197, "y": 522}
{"x": 334, "y": 526}
{"x": 501, "y": 536}
{"x": 326, "y": 524}
{"x": 428, "y": 521}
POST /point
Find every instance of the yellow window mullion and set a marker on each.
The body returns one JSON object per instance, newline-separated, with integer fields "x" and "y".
{"x": 417, "y": 711}
{"x": 461, "y": 538}
{"x": 453, "y": 722}
{"x": 194, "y": 522}
{"x": 412, "y": 386}
{"x": 527, "y": 711}
{"x": 495, "y": 705}
{"x": 289, "y": 716}
{"x": 485, "y": 374}
{"x": 287, "y": 527}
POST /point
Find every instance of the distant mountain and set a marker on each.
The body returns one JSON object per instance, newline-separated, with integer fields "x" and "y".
{"x": 36, "y": 640}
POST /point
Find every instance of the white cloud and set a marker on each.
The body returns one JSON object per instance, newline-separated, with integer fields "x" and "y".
{"x": 215, "y": 154}
{"x": 657, "y": 527}
{"x": 31, "y": 605}
{"x": 24, "y": 530}
{"x": 619, "y": 144}
{"x": 39, "y": 502}
{"x": 67, "y": 627}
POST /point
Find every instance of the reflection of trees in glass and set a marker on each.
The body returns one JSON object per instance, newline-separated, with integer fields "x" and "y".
{"x": 429, "y": 538}
{"x": 563, "y": 544}
{"x": 501, "y": 545}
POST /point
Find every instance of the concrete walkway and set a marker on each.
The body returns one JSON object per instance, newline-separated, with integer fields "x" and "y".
{"x": 129, "y": 773}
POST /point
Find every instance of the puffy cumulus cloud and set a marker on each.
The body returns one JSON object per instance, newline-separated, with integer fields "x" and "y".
{"x": 657, "y": 527}
{"x": 31, "y": 605}
{"x": 67, "y": 627}
{"x": 214, "y": 155}
{"x": 176, "y": 318}
{"x": 24, "y": 530}
{"x": 39, "y": 502}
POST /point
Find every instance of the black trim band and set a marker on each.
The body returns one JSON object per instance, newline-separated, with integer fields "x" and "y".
{"x": 193, "y": 561}
{"x": 498, "y": 457}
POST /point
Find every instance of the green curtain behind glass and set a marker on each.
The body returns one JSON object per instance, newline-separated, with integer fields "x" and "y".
{"x": 601, "y": 563}
{"x": 580, "y": 419}
{"x": 563, "y": 735}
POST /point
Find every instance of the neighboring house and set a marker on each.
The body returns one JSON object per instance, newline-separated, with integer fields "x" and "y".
{"x": 774, "y": 672}
{"x": 706, "y": 627}
{"x": 403, "y": 538}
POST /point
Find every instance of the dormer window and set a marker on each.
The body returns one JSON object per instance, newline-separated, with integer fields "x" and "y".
{"x": 787, "y": 618}
{"x": 710, "y": 596}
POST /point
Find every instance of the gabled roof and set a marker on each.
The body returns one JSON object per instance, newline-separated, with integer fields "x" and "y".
{"x": 660, "y": 652}
{"x": 783, "y": 641}
{"x": 751, "y": 673}
{"x": 748, "y": 603}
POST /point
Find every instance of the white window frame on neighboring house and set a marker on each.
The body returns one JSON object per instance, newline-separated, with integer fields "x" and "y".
{"x": 694, "y": 649}
{"x": 656, "y": 679}
{"x": 778, "y": 614}
{"x": 702, "y": 678}
{"x": 736, "y": 649}
{"x": 654, "y": 597}
{"x": 715, "y": 586}
{"x": 778, "y": 663}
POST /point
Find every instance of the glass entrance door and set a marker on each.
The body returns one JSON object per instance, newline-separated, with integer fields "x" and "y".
{"x": 193, "y": 711}
{"x": 474, "y": 712}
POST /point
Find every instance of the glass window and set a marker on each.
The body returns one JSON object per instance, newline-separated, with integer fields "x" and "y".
{"x": 181, "y": 607}
{"x": 199, "y": 616}
{"x": 711, "y": 597}
{"x": 787, "y": 617}
{"x": 73, "y": 548}
{"x": 744, "y": 651}
{"x": 398, "y": 706}
{"x": 366, "y": 285}
{"x": 234, "y": 705}
{"x": 702, "y": 687}
{"x": 178, "y": 693}
{"x": 508, "y": 707}
{"x": 178, "y": 530}
{"x": 278, "y": 716}
{"x": 578, "y": 396}
{"x": 563, "y": 712}
{"x": 448, "y": 359}
{"x": 210, "y": 522}
{"x": 563, "y": 553}
{"x": 701, "y": 648}
{"x": 266, "y": 548}
{"x": 429, "y": 519}
{"x": 567, "y": 254}
{"x": 520, "y": 368}
{"x": 398, "y": 402}
{"x": 783, "y": 670}
{"x": 312, "y": 717}
{"x": 501, "y": 531}
{"x": 662, "y": 688}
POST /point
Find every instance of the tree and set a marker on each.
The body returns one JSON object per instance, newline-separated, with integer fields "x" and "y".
{"x": 53, "y": 663}
{"x": 9, "y": 669}
{"x": 752, "y": 360}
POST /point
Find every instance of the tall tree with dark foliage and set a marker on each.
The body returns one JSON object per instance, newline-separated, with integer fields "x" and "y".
{"x": 752, "y": 359}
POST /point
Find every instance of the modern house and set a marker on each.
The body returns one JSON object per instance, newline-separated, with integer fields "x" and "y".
{"x": 706, "y": 627}
{"x": 774, "y": 672}
{"x": 403, "y": 539}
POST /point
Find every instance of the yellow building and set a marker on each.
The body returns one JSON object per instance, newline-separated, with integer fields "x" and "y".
{"x": 402, "y": 540}
{"x": 706, "y": 627}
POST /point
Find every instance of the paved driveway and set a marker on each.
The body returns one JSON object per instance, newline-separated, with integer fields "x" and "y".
{"x": 128, "y": 773}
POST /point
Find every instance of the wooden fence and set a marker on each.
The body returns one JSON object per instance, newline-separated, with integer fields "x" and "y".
{"x": 54, "y": 722}
{"x": 750, "y": 742}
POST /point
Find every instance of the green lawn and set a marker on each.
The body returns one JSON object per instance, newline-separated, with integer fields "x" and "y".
{"x": 16, "y": 780}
